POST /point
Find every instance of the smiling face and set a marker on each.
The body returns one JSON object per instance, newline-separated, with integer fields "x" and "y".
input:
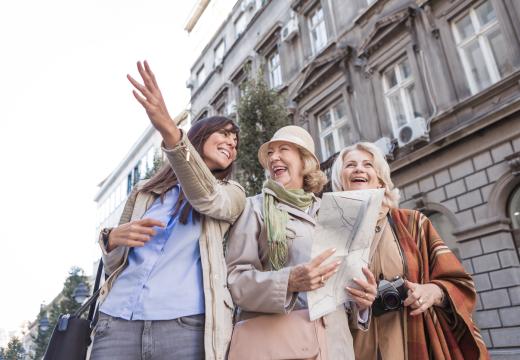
{"x": 285, "y": 164}
{"x": 358, "y": 171}
{"x": 220, "y": 149}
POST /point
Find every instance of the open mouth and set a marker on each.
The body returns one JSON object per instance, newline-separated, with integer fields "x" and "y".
{"x": 359, "y": 180}
{"x": 224, "y": 152}
{"x": 278, "y": 170}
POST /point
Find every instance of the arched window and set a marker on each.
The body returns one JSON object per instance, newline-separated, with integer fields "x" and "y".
{"x": 513, "y": 208}
{"x": 513, "y": 212}
{"x": 445, "y": 228}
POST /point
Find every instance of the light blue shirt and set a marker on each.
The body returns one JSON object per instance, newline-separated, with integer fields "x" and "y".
{"x": 163, "y": 279}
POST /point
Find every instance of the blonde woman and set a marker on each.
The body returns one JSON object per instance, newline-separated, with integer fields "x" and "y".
{"x": 269, "y": 264}
{"x": 425, "y": 298}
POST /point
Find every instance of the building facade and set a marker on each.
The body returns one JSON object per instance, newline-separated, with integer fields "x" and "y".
{"x": 435, "y": 83}
{"x": 137, "y": 165}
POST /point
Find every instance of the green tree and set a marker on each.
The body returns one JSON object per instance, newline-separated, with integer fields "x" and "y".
{"x": 14, "y": 350}
{"x": 66, "y": 304}
{"x": 157, "y": 164}
{"x": 261, "y": 111}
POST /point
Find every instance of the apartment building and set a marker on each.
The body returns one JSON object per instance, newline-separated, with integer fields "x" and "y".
{"x": 435, "y": 83}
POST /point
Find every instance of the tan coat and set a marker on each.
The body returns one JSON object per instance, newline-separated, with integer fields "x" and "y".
{"x": 257, "y": 289}
{"x": 220, "y": 203}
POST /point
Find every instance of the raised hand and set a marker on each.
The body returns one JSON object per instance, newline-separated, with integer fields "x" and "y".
{"x": 422, "y": 296}
{"x": 150, "y": 97}
{"x": 367, "y": 292}
{"x": 311, "y": 276}
{"x": 133, "y": 234}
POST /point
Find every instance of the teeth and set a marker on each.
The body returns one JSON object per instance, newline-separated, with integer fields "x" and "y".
{"x": 225, "y": 152}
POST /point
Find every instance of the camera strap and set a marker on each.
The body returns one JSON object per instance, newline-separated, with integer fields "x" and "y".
{"x": 394, "y": 232}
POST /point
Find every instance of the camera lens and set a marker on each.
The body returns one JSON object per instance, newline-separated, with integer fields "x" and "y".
{"x": 391, "y": 300}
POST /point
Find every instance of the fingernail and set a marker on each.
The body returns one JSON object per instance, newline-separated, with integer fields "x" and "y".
{"x": 354, "y": 278}
{"x": 338, "y": 262}
{"x": 334, "y": 250}
{"x": 335, "y": 271}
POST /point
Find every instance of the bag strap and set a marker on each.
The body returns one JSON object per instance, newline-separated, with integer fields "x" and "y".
{"x": 91, "y": 302}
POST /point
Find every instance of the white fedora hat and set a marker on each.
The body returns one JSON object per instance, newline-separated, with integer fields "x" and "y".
{"x": 292, "y": 134}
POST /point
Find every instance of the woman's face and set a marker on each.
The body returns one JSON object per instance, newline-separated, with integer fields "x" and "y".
{"x": 358, "y": 171}
{"x": 220, "y": 149}
{"x": 285, "y": 164}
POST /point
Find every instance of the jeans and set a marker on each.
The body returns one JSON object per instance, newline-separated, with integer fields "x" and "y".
{"x": 181, "y": 338}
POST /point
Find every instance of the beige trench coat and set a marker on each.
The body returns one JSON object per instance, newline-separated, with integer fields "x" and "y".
{"x": 220, "y": 203}
{"x": 257, "y": 289}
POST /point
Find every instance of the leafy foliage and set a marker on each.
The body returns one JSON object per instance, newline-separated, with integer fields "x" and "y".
{"x": 13, "y": 351}
{"x": 261, "y": 111}
{"x": 66, "y": 305}
{"x": 157, "y": 164}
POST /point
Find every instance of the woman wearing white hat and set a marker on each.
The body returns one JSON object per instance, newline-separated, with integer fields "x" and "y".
{"x": 269, "y": 265}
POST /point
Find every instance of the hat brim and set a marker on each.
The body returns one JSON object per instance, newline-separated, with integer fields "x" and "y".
{"x": 262, "y": 152}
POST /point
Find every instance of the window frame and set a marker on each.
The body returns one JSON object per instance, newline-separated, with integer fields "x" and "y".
{"x": 274, "y": 73}
{"x": 201, "y": 75}
{"x": 336, "y": 125}
{"x": 321, "y": 25}
{"x": 480, "y": 37}
{"x": 401, "y": 88}
{"x": 217, "y": 57}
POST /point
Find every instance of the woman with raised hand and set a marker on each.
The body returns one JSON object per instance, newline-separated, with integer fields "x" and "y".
{"x": 166, "y": 295}
{"x": 425, "y": 298}
{"x": 270, "y": 267}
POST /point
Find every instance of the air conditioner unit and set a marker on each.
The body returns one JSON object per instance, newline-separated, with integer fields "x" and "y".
{"x": 231, "y": 108}
{"x": 290, "y": 30}
{"x": 413, "y": 131}
{"x": 386, "y": 146}
{"x": 247, "y": 5}
{"x": 217, "y": 64}
{"x": 191, "y": 82}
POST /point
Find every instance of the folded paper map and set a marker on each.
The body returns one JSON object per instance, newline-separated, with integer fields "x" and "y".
{"x": 346, "y": 221}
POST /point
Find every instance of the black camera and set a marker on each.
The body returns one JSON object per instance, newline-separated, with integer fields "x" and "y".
{"x": 390, "y": 296}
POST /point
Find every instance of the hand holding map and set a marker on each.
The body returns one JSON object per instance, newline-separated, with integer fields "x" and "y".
{"x": 346, "y": 222}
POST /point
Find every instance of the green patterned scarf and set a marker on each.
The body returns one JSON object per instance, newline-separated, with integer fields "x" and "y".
{"x": 276, "y": 219}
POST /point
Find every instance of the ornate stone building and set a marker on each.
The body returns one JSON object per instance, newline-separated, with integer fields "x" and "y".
{"x": 436, "y": 83}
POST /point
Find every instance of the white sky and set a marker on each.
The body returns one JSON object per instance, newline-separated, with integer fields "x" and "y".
{"x": 67, "y": 118}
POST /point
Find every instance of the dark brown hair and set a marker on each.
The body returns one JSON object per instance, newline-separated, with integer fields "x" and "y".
{"x": 165, "y": 178}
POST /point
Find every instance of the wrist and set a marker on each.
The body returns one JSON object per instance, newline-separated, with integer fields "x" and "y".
{"x": 439, "y": 301}
{"x": 171, "y": 136}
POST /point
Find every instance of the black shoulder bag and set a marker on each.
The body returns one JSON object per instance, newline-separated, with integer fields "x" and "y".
{"x": 71, "y": 336}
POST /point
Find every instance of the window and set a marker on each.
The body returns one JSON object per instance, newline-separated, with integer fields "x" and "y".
{"x": 240, "y": 25}
{"x": 335, "y": 129}
{"x": 481, "y": 46}
{"x": 317, "y": 30}
{"x": 514, "y": 208}
{"x": 129, "y": 183}
{"x": 221, "y": 109}
{"x": 370, "y": 2}
{"x": 150, "y": 157}
{"x": 274, "y": 70}
{"x": 201, "y": 75}
{"x": 219, "y": 53}
{"x": 400, "y": 94}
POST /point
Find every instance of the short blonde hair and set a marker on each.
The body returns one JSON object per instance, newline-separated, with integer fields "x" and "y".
{"x": 313, "y": 178}
{"x": 381, "y": 167}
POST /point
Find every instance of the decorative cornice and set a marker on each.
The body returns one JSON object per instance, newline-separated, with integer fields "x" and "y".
{"x": 382, "y": 29}
{"x": 319, "y": 69}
